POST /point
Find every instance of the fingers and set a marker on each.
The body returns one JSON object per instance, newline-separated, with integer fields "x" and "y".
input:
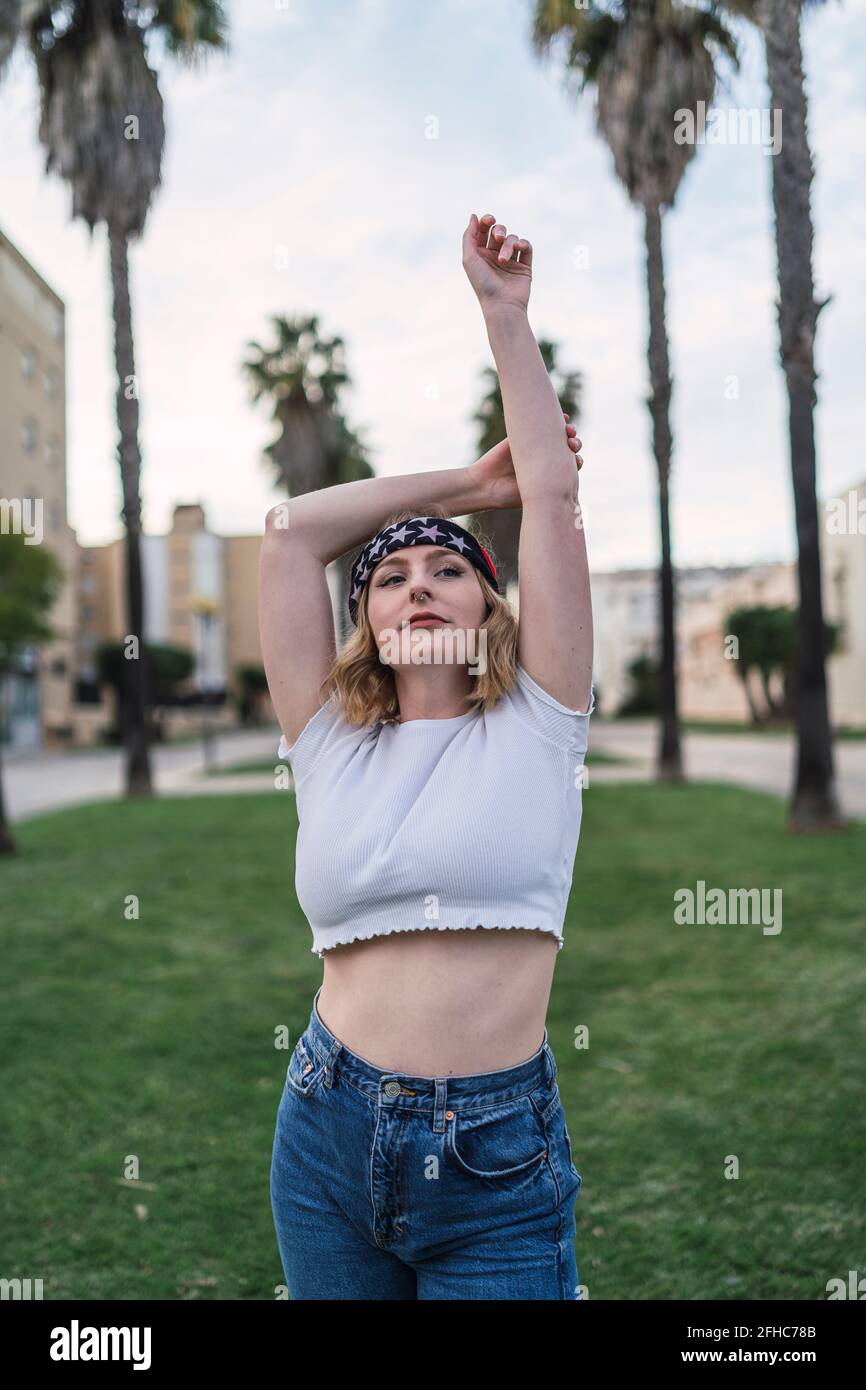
{"x": 574, "y": 446}
{"x": 478, "y": 230}
{"x": 484, "y": 225}
{"x": 508, "y": 246}
{"x": 571, "y": 435}
{"x": 497, "y": 236}
{"x": 574, "y": 443}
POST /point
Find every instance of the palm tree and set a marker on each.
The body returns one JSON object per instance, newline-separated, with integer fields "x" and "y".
{"x": 503, "y": 527}
{"x": 814, "y": 804}
{"x": 101, "y": 123}
{"x": 302, "y": 377}
{"x": 648, "y": 60}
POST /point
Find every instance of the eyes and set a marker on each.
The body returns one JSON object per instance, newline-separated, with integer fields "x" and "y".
{"x": 453, "y": 568}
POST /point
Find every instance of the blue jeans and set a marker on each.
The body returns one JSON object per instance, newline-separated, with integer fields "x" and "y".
{"x": 385, "y": 1185}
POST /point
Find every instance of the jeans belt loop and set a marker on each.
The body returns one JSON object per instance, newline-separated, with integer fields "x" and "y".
{"x": 441, "y": 1086}
{"x": 329, "y": 1064}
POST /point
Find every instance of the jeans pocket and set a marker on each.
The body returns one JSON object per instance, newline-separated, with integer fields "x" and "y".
{"x": 496, "y": 1141}
{"x": 548, "y": 1102}
{"x": 306, "y": 1067}
{"x": 568, "y": 1143}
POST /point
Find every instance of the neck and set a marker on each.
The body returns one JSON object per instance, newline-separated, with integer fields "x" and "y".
{"x": 433, "y": 692}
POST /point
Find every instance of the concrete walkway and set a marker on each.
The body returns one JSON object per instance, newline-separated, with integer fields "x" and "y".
{"x": 765, "y": 762}
{"x": 35, "y": 783}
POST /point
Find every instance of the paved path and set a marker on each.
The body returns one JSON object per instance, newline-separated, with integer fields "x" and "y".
{"x": 41, "y": 782}
{"x": 36, "y": 782}
{"x": 766, "y": 762}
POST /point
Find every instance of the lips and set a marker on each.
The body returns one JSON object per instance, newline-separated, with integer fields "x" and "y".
{"x": 419, "y": 619}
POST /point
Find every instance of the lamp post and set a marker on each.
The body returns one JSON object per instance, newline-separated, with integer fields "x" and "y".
{"x": 206, "y": 609}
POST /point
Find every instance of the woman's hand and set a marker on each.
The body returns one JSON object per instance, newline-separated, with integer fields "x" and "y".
{"x": 493, "y": 474}
{"x": 500, "y": 273}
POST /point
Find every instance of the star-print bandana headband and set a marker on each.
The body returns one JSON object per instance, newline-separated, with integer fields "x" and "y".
{"x": 421, "y": 530}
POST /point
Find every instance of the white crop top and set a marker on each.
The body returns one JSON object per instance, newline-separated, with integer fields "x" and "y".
{"x": 439, "y": 824}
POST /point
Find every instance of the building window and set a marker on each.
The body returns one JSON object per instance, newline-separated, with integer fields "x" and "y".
{"x": 28, "y": 363}
{"x": 52, "y": 451}
{"x": 28, "y": 435}
{"x": 52, "y": 384}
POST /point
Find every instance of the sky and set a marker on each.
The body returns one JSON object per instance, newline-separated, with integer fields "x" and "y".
{"x": 300, "y": 177}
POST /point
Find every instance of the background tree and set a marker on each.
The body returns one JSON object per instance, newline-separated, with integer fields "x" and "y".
{"x": 762, "y": 635}
{"x": 170, "y": 667}
{"x": 101, "y": 124}
{"x": 302, "y": 376}
{"x": 768, "y": 643}
{"x": 252, "y": 687}
{"x": 30, "y": 580}
{"x": 503, "y": 527}
{"x": 643, "y": 688}
{"x": 814, "y": 803}
{"x": 647, "y": 60}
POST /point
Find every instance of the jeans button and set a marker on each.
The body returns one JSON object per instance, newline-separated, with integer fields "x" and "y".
{"x": 391, "y": 1088}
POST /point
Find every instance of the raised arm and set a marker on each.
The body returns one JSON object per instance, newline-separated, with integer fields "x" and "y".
{"x": 302, "y": 537}
{"x": 555, "y": 643}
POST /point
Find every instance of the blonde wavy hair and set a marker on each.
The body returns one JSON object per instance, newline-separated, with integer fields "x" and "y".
{"x": 365, "y": 687}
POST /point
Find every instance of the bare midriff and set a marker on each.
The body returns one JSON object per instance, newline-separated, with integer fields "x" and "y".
{"x": 440, "y": 1003}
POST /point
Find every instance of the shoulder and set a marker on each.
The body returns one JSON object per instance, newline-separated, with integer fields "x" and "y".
{"x": 327, "y": 729}
{"x": 547, "y": 716}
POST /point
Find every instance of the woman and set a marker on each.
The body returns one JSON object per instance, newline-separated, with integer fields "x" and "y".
{"x": 421, "y": 1149}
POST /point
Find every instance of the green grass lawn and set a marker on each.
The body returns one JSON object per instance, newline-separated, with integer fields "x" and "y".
{"x": 256, "y": 765}
{"x": 154, "y": 1038}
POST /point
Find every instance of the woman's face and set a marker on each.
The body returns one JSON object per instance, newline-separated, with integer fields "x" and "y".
{"x": 424, "y": 578}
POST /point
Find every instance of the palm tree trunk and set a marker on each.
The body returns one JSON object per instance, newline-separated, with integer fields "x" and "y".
{"x": 7, "y": 844}
{"x": 814, "y": 804}
{"x": 136, "y": 670}
{"x": 774, "y": 709}
{"x": 750, "y": 698}
{"x": 670, "y": 766}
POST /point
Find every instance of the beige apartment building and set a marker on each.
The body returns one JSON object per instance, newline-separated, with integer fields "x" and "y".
{"x": 200, "y": 594}
{"x": 627, "y": 623}
{"x": 201, "y": 590}
{"x": 709, "y": 684}
{"x": 33, "y": 485}
{"x": 843, "y": 542}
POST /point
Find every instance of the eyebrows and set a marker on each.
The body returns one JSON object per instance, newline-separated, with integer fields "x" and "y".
{"x": 436, "y": 553}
